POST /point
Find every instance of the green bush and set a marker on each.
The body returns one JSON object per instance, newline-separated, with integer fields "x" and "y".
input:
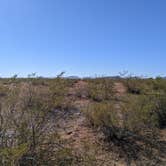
{"x": 101, "y": 89}
{"x": 101, "y": 114}
{"x": 138, "y": 113}
{"x": 159, "y": 84}
{"x": 59, "y": 88}
{"x": 161, "y": 110}
{"x": 136, "y": 85}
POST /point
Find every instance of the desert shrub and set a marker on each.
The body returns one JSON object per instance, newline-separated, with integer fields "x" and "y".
{"x": 24, "y": 121}
{"x": 136, "y": 114}
{"x": 160, "y": 109}
{"x": 104, "y": 116}
{"x": 11, "y": 156}
{"x": 131, "y": 126}
{"x": 101, "y": 114}
{"x": 154, "y": 91}
{"x": 3, "y": 91}
{"x": 159, "y": 84}
{"x": 136, "y": 85}
{"x": 59, "y": 88}
{"x": 101, "y": 89}
{"x": 139, "y": 113}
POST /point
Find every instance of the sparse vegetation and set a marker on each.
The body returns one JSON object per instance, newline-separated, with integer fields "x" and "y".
{"x": 33, "y": 111}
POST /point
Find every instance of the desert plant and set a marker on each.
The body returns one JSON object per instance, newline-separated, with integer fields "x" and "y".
{"x": 139, "y": 113}
{"x": 25, "y": 120}
{"x": 59, "y": 88}
{"x": 101, "y": 89}
{"x": 135, "y": 114}
{"x": 160, "y": 109}
{"x": 100, "y": 114}
{"x": 159, "y": 84}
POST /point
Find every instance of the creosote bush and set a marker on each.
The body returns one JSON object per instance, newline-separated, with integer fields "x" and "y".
{"x": 101, "y": 89}
{"x": 101, "y": 114}
{"x": 59, "y": 88}
{"x": 137, "y": 114}
{"x": 160, "y": 110}
{"x": 154, "y": 93}
{"x": 136, "y": 85}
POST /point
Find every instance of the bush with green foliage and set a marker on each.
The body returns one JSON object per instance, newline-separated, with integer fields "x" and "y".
{"x": 135, "y": 114}
{"x": 101, "y": 114}
{"x": 160, "y": 109}
{"x": 136, "y": 85}
{"x": 59, "y": 88}
{"x": 139, "y": 113}
{"x": 101, "y": 89}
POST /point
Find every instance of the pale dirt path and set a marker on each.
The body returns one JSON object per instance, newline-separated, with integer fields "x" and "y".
{"x": 76, "y": 133}
{"x": 80, "y": 132}
{"x": 75, "y": 128}
{"x": 120, "y": 90}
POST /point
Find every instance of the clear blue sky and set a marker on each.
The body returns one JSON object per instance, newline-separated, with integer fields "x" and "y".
{"x": 82, "y": 37}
